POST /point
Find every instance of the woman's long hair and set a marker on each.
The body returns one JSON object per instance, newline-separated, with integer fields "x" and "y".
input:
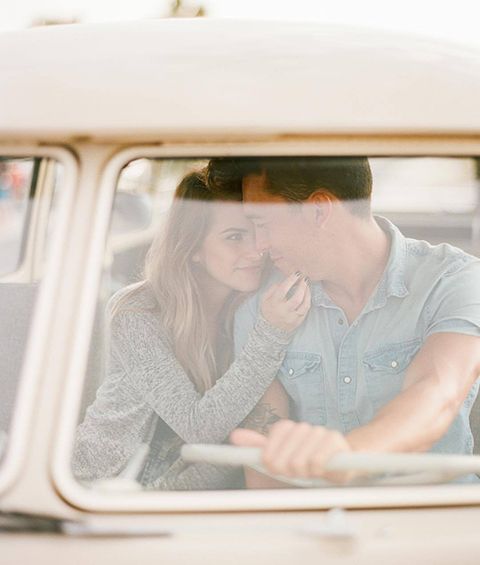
{"x": 172, "y": 275}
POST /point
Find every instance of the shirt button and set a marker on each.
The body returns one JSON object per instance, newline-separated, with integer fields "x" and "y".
{"x": 347, "y": 380}
{"x": 340, "y": 321}
{"x": 290, "y": 372}
{"x": 394, "y": 364}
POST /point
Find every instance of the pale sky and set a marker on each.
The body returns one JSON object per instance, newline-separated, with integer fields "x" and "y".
{"x": 458, "y": 20}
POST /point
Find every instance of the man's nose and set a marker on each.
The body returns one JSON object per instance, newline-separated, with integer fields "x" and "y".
{"x": 262, "y": 242}
{"x": 251, "y": 252}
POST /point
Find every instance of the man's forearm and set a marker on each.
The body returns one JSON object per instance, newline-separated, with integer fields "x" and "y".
{"x": 413, "y": 421}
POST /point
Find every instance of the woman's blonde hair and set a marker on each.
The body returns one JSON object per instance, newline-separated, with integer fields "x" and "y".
{"x": 172, "y": 274}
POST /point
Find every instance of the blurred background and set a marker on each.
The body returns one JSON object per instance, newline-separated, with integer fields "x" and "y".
{"x": 455, "y": 21}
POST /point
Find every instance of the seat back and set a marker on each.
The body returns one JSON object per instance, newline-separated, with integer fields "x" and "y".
{"x": 16, "y": 306}
{"x": 95, "y": 372}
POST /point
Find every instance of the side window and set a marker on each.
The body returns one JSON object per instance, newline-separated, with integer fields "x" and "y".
{"x": 28, "y": 187}
{"x": 17, "y": 178}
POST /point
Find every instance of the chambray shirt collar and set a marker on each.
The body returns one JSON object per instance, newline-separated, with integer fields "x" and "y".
{"x": 392, "y": 282}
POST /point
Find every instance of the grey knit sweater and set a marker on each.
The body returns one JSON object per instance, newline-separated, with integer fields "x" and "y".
{"x": 147, "y": 396}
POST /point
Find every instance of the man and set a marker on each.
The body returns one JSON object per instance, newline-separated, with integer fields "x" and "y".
{"x": 388, "y": 357}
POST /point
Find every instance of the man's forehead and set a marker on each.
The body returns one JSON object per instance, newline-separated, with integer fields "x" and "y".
{"x": 253, "y": 187}
{"x": 254, "y": 191}
{"x": 258, "y": 203}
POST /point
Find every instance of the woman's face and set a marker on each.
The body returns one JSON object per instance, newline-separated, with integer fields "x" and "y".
{"x": 228, "y": 253}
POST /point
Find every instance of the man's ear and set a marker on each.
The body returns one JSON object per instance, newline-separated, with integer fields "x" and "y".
{"x": 320, "y": 204}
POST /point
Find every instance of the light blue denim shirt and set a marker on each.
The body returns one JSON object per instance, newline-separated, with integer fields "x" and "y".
{"x": 339, "y": 375}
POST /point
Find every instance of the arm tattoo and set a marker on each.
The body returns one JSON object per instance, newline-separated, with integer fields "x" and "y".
{"x": 261, "y": 418}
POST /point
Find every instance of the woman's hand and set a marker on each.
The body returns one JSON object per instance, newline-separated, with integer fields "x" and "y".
{"x": 286, "y": 304}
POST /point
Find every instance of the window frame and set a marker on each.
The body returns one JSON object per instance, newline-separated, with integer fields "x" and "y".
{"x": 201, "y": 501}
{"x": 30, "y": 377}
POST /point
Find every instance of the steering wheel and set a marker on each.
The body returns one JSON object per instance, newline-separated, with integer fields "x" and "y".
{"x": 374, "y": 468}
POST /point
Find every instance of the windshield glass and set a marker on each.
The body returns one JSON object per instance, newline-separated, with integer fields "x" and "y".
{"x": 311, "y": 321}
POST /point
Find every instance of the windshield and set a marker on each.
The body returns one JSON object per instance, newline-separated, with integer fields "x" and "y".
{"x": 302, "y": 321}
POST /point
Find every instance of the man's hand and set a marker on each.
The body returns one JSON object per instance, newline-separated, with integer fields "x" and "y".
{"x": 296, "y": 449}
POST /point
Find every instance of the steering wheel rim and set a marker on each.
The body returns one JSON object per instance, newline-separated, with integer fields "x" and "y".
{"x": 382, "y": 469}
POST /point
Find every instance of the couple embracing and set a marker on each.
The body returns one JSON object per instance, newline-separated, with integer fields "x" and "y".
{"x": 277, "y": 312}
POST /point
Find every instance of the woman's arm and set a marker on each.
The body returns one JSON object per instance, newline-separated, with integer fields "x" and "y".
{"x": 144, "y": 378}
{"x": 154, "y": 375}
{"x": 148, "y": 380}
{"x": 272, "y": 407}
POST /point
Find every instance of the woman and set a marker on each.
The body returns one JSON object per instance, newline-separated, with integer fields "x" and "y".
{"x": 171, "y": 378}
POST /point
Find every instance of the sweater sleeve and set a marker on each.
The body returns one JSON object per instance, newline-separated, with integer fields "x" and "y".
{"x": 115, "y": 425}
{"x": 155, "y": 374}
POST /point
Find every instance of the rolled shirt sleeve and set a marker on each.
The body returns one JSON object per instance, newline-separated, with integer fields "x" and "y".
{"x": 455, "y": 302}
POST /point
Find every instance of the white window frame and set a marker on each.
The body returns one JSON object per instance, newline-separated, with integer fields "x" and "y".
{"x": 30, "y": 378}
{"x": 242, "y": 500}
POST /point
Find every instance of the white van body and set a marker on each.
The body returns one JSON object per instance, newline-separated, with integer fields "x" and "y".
{"x": 94, "y": 98}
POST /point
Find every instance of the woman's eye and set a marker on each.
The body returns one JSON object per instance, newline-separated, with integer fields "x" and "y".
{"x": 235, "y": 237}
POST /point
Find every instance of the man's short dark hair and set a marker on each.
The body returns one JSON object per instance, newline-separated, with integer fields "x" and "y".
{"x": 348, "y": 179}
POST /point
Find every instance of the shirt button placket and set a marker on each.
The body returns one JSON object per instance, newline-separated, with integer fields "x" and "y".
{"x": 346, "y": 364}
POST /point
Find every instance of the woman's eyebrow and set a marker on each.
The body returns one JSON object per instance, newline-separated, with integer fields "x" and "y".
{"x": 243, "y": 230}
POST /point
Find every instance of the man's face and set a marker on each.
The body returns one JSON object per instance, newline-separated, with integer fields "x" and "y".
{"x": 279, "y": 225}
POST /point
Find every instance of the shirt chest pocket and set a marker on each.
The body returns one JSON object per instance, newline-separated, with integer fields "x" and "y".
{"x": 302, "y": 376}
{"x": 385, "y": 368}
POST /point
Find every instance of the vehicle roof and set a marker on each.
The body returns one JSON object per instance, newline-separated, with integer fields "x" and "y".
{"x": 221, "y": 79}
